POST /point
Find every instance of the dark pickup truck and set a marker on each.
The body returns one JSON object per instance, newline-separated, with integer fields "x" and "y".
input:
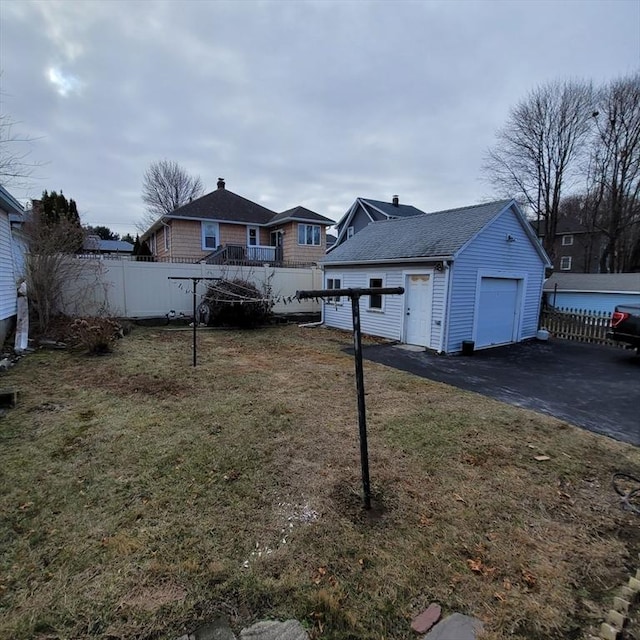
{"x": 625, "y": 325}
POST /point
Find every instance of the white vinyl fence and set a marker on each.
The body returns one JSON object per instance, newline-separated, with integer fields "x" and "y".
{"x": 130, "y": 289}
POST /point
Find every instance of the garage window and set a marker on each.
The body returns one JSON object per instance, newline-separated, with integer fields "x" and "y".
{"x": 376, "y": 301}
{"x": 334, "y": 283}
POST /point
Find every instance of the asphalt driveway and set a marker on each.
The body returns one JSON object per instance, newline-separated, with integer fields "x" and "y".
{"x": 591, "y": 386}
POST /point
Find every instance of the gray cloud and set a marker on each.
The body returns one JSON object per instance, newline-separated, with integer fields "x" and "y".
{"x": 309, "y": 103}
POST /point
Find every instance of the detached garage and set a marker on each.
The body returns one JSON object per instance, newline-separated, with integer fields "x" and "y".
{"x": 470, "y": 274}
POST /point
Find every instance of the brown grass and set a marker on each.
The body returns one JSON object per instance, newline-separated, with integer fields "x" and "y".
{"x": 143, "y": 497}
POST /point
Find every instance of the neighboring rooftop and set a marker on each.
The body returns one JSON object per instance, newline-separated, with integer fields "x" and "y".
{"x": 224, "y": 205}
{"x": 392, "y": 209}
{"x": 95, "y": 243}
{"x": 301, "y": 214}
{"x": 439, "y": 234}
{"x": 594, "y": 282}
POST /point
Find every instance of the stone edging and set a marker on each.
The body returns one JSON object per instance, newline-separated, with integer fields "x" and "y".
{"x": 617, "y": 617}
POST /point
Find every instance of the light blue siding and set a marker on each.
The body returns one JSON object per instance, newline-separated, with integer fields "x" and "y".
{"x": 491, "y": 254}
{"x": 600, "y": 302}
{"x": 390, "y": 322}
{"x": 8, "y": 295}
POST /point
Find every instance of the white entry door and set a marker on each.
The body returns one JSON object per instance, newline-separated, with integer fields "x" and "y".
{"x": 418, "y": 292}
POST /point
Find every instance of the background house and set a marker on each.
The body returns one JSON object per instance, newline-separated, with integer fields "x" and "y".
{"x": 222, "y": 227}
{"x": 576, "y": 247}
{"x": 470, "y": 274}
{"x": 364, "y": 211}
{"x": 592, "y": 291}
{"x": 11, "y": 259}
{"x": 96, "y": 245}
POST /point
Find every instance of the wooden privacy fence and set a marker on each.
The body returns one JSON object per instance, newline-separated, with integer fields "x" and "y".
{"x": 578, "y": 324}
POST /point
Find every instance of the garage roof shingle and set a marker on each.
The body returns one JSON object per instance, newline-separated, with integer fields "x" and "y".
{"x": 437, "y": 234}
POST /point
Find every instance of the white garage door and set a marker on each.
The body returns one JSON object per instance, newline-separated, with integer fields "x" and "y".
{"x": 497, "y": 311}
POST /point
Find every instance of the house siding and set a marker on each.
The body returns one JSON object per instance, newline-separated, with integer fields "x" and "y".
{"x": 390, "y": 322}
{"x": 596, "y": 302}
{"x": 359, "y": 221}
{"x": 489, "y": 251}
{"x": 294, "y": 252}
{"x": 8, "y": 293}
{"x": 186, "y": 241}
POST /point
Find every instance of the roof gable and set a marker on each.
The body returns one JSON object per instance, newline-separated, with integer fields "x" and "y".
{"x": 302, "y": 214}
{"x": 440, "y": 234}
{"x": 376, "y": 210}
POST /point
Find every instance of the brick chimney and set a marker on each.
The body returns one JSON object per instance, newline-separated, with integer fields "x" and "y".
{"x": 220, "y": 183}
{"x": 396, "y": 201}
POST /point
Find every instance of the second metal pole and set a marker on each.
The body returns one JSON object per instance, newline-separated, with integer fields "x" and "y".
{"x": 362, "y": 416}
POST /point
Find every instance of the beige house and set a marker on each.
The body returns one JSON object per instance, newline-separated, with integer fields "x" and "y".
{"x": 225, "y": 228}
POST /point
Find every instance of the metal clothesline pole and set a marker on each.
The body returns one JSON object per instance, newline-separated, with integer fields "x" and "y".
{"x": 195, "y": 280}
{"x": 355, "y": 295}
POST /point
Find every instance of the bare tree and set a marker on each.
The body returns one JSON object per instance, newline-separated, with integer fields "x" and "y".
{"x": 49, "y": 263}
{"x": 166, "y": 186}
{"x": 537, "y": 151}
{"x": 15, "y": 148}
{"x": 614, "y": 173}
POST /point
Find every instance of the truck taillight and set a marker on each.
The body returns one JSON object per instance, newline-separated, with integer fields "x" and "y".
{"x": 618, "y": 317}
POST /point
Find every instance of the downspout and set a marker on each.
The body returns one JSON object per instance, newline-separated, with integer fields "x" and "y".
{"x": 167, "y": 226}
{"x": 445, "y": 319}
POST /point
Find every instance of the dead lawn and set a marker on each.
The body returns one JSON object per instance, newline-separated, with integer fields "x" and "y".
{"x": 142, "y": 497}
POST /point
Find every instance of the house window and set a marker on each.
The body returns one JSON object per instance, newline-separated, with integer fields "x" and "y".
{"x": 334, "y": 283}
{"x": 152, "y": 244}
{"x": 209, "y": 235}
{"x": 375, "y": 300}
{"x": 567, "y": 240}
{"x": 309, "y": 234}
{"x": 350, "y": 232}
{"x": 252, "y": 236}
{"x": 565, "y": 263}
{"x": 166, "y": 239}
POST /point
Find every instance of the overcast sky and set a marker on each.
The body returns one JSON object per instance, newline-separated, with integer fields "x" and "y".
{"x": 292, "y": 102}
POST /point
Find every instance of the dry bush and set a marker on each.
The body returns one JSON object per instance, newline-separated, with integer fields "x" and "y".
{"x": 237, "y": 303}
{"x": 97, "y": 335}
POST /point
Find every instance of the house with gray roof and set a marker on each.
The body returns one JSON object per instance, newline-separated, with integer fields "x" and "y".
{"x": 470, "y": 275}
{"x": 592, "y": 292}
{"x": 364, "y": 211}
{"x": 223, "y": 227}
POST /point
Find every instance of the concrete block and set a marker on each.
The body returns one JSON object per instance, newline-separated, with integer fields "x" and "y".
{"x": 621, "y": 605}
{"x": 628, "y": 593}
{"x": 634, "y": 584}
{"x": 607, "y": 632}
{"x": 616, "y": 619}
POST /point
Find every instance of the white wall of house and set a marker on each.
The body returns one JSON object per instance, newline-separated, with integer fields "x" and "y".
{"x": 390, "y": 322}
{"x": 8, "y": 291}
{"x": 133, "y": 289}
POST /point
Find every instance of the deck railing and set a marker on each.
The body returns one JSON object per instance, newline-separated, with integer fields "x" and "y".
{"x": 578, "y": 324}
